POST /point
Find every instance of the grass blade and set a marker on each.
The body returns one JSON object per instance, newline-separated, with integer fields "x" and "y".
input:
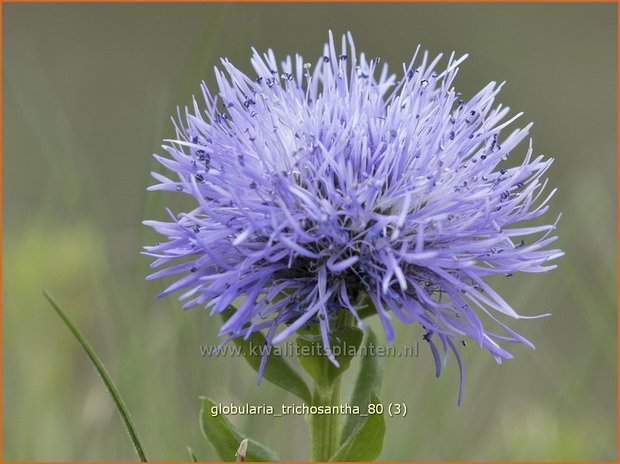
{"x": 192, "y": 455}
{"x": 118, "y": 401}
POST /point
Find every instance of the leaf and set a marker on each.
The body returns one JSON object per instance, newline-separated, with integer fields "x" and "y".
{"x": 366, "y": 312}
{"x": 225, "y": 438}
{"x": 367, "y": 307}
{"x": 368, "y": 382}
{"x": 277, "y": 370}
{"x": 103, "y": 373}
{"x": 366, "y": 441}
{"x": 344, "y": 343}
{"x": 192, "y": 455}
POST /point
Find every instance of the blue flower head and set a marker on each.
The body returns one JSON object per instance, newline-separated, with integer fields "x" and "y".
{"x": 335, "y": 185}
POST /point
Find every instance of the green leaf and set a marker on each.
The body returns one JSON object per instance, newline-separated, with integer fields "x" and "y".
{"x": 368, "y": 382}
{"x": 225, "y": 437}
{"x": 344, "y": 343}
{"x": 277, "y": 370}
{"x": 192, "y": 455}
{"x": 367, "y": 307}
{"x": 366, "y": 441}
{"x": 114, "y": 393}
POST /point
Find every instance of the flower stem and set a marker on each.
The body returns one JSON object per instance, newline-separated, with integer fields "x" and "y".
{"x": 325, "y": 428}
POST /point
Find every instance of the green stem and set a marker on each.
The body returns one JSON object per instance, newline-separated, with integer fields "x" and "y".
{"x": 116, "y": 396}
{"x": 325, "y": 428}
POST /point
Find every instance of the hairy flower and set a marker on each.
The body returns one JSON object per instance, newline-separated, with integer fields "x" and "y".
{"x": 337, "y": 185}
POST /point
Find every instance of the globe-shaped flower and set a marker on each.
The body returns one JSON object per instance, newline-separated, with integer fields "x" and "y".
{"x": 335, "y": 186}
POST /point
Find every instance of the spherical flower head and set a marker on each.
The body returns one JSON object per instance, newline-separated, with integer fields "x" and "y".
{"x": 336, "y": 186}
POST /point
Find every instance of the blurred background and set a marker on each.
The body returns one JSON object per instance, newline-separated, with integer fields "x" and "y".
{"x": 88, "y": 94}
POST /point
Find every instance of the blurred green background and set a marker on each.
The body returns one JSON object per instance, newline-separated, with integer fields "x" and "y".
{"x": 88, "y": 92}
